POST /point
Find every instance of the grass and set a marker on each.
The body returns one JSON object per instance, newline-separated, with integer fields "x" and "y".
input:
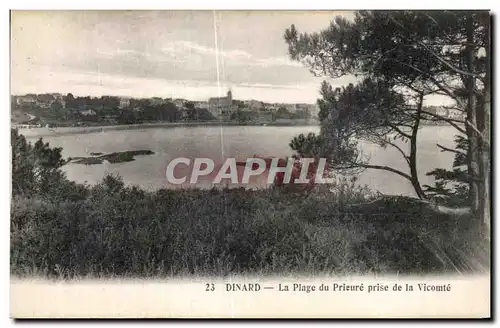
{"x": 111, "y": 230}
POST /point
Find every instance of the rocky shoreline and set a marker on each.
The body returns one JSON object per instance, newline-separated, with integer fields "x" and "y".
{"x": 113, "y": 158}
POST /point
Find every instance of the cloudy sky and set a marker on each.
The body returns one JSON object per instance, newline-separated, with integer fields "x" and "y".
{"x": 165, "y": 54}
{"x": 162, "y": 53}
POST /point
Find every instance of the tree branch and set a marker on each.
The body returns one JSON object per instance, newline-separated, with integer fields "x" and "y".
{"x": 446, "y": 63}
{"x": 399, "y": 131}
{"x": 385, "y": 168}
{"x": 431, "y": 78}
{"x": 441, "y": 118}
{"x": 455, "y": 108}
{"x": 448, "y": 120}
{"x": 378, "y": 167}
{"x": 443, "y": 148}
{"x": 400, "y": 150}
{"x": 487, "y": 142}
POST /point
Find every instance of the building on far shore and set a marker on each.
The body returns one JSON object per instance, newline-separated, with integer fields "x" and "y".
{"x": 42, "y": 100}
{"x": 26, "y": 100}
{"x": 124, "y": 102}
{"x": 255, "y": 105}
{"x": 201, "y": 105}
{"x": 221, "y": 105}
{"x": 155, "y": 101}
{"x": 179, "y": 102}
{"x": 88, "y": 112}
{"x": 292, "y": 108}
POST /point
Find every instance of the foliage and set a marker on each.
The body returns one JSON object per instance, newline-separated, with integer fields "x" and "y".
{"x": 399, "y": 45}
{"x": 35, "y": 168}
{"x": 123, "y": 231}
{"x": 308, "y": 146}
{"x": 162, "y": 112}
{"x": 244, "y": 116}
{"x": 405, "y": 56}
{"x": 66, "y": 230}
{"x": 452, "y": 187}
{"x": 190, "y": 111}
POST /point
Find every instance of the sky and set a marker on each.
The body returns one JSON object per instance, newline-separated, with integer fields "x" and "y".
{"x": 164, "y": 54}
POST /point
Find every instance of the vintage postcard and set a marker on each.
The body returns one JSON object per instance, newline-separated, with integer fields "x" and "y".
{"x": 250, "y": 164}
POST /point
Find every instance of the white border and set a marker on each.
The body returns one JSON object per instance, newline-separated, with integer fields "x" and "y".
{"x": 255, "y": 4}
{"x": 186, "y": 4}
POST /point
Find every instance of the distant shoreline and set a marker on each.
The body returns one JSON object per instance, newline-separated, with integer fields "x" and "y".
{"x": 43, "y": 131}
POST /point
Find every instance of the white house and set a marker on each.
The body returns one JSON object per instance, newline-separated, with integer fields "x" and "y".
{"x": 255, "y": 105}
{"x": 124, "y": 102}
{"x": 28, "y": 100}
{"x": 291, "y": 107}
{"x": 179, "y": 102}
{"x": 156, "y": 101}
{"x": 456, "y": 114}
{"x": 201, "y": 105}
{"x": 273, "y": 107}
{"x": 88, "y": 112}
{"x": 441, "y": 111}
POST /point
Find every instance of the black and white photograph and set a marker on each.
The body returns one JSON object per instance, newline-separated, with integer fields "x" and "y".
{"x": 246, "y": 153}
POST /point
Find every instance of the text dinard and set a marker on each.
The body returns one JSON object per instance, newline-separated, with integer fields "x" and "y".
{"x": 339, "y": 287}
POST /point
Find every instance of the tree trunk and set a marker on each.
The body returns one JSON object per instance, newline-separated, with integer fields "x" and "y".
{"x": 485, "y": 137}
{"x": 413, "y": 151}
{"x": 473, "y": 147}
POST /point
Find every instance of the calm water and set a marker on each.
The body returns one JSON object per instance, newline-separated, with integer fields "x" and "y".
{"x": 234, "y": 141}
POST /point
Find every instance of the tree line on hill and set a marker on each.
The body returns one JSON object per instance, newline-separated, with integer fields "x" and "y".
{"x": 108, "y": 109}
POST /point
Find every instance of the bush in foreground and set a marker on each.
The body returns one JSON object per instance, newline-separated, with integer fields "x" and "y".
{"x": 113, "y": 230}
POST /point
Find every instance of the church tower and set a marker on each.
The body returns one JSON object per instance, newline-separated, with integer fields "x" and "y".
{"x": 230, "y": 97}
